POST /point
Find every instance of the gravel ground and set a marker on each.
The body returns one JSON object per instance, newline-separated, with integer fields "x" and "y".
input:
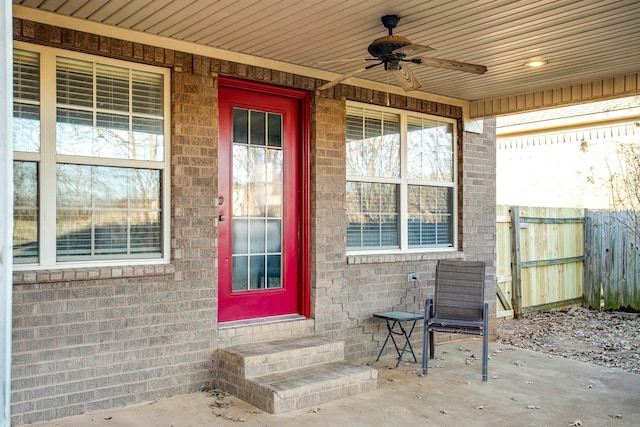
{"x": 604, "y": 338}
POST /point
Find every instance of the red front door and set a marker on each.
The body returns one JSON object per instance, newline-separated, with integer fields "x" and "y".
{"x": 261, "y": 237}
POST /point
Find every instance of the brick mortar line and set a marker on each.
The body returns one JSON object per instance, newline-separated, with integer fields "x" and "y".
{"x": 32, "y": 277}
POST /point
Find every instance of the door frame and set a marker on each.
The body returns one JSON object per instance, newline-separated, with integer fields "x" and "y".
{"x": 303, "y": 100}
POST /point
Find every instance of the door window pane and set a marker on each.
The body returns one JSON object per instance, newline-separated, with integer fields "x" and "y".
{"x": 257, "y": 199}
{"x": 240, "y": 273}
{"x": 257, "y": 236}
{"x": 258, "y": 131}
{"x": 274, "y": 271}
{"x": 240, "y": 126}
{"x": 275, "y": 130}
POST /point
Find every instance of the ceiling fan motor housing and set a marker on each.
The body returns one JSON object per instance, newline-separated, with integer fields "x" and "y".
{"x": 383, "y": 47}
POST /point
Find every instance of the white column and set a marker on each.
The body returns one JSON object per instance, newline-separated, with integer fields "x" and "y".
{"x": 6, "y": 206}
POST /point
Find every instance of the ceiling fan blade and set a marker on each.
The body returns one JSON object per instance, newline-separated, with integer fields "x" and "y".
{"x": 407, "y": 79}
{"x": 340, "y": 79}
{"x": 333, "y": 61}
{"x": 453, "y": 65}
{"x": 412, "y": 50}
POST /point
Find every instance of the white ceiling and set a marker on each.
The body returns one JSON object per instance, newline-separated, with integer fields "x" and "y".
{"x": 583, "y": 40}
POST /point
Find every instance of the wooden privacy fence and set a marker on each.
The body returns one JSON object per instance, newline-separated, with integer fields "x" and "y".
{"x": 612, "y": 266}
{"x": 540, "y": 258}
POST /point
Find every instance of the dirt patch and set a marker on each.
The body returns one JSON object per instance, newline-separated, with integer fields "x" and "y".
{"x": 604, "y": 338}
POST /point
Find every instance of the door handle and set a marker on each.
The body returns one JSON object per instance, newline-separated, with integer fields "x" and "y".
{"x": 221, "y": 218}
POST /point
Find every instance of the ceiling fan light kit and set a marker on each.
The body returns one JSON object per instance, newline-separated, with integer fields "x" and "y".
{"x": 396, "y": 52}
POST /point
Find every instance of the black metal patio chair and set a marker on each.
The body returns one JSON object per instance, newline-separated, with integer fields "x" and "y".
{"x": 458, "y": 306}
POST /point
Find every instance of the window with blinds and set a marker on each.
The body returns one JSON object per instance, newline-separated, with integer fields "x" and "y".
{"x": 106, "y": 174}
{"x": 401, "y": 180}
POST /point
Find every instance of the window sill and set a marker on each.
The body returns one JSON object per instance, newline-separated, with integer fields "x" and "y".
{"x": 28, "y": 277}
{"x": 378, "y": 258}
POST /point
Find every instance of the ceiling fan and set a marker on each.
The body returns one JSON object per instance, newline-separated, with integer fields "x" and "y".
{"x": 396, "y": 52}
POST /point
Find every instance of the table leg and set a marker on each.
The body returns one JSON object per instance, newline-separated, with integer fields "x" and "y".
{"x": 407, "y": 342}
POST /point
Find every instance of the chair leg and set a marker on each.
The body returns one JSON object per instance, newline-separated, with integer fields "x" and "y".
{"x": 485, "y": 351}
{"x": 432, "y": 345}
{"x": 428, "y": 305}
{"x": 425, "y": 351}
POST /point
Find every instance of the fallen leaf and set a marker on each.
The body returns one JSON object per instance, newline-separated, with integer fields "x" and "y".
{"x": 616, "y": 416}
{"x": 532, "y": 407}
{"x": 314, "y": 410}
{"x": 575, "y": 423}
{"x": 442, "y": 411}
{"x": 418, "y": 397}
{"x": 480, "y": 407}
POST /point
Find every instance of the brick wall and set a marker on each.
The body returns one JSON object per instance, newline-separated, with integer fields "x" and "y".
{"x": 479, "y": 205}
{"x": 91, "y": 339}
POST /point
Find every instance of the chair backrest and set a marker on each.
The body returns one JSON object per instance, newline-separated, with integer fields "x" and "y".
{"x": 459, "y": 292}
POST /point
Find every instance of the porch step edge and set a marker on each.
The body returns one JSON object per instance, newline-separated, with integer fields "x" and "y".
{"x": 268, "y": 357}
{"x": 305, "y": 387}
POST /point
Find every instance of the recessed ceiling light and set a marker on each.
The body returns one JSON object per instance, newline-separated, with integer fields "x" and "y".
{"x": 536, "y": 63}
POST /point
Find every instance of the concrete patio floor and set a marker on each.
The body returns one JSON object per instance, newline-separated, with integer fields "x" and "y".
{"x": 525, "y": 388}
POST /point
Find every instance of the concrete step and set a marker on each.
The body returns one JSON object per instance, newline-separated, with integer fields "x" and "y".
{"x": 306, "y": 387}
{"x": 269, "y": 357}
{"x": 287, "y": 374}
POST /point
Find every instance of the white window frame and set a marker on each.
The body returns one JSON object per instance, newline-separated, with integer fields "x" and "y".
{"x": 404, "y": 182}
{"x": 47, "y": 160}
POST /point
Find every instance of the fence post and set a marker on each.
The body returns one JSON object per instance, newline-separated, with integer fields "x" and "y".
{"x": 516, "y": 268}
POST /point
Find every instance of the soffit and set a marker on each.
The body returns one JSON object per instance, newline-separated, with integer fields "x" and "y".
{"x": 592, "y": 46}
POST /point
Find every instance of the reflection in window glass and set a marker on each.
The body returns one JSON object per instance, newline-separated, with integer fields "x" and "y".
{"x": 105, "y": 211}
{"x": 429, "y": 149}
{"x": 430, "y": 216}
{"x": 26, "y": 128}
{"x": 373, "y": 143}
{"x": 25, "y": 212}
{"x": 372, "y": 215}
{"x": 26, "y": 102}
{"x": 119, "y": 123}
